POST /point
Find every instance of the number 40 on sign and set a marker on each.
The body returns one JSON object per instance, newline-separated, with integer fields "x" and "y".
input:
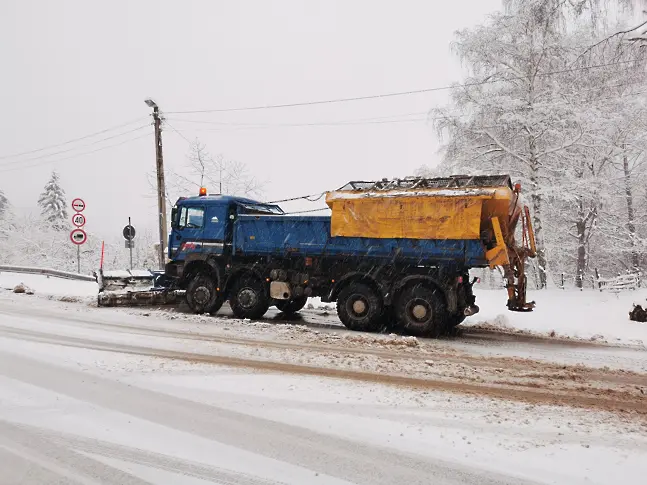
{"x": 78, "y": 220}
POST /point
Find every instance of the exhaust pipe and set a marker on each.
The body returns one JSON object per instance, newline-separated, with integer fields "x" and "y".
{"x": 471, "y": 310}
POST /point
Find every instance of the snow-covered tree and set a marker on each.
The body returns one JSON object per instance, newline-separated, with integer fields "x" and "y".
{"x": 534, "y": 106}
{"x": 52, "y": 203}
{"x": 4, "y": 204}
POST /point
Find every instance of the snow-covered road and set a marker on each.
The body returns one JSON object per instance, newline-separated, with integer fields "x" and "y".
{"x": 93, "y": 395}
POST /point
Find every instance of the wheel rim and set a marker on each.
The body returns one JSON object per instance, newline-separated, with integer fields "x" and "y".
{"x": 357, "y": 306}
{"x": 247, "y": 298}
{"x": 419, "y": 310}
{"x": 201, "y": 295}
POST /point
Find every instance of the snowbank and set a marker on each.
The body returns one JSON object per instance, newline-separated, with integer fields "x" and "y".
{"x": 587, "y": 314}
{"x": 49, "y": 285}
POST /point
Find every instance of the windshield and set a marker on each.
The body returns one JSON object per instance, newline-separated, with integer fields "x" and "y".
{"x": 261, "y": 209}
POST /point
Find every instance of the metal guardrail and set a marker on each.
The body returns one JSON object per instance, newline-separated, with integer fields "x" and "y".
{"x": 47, "y": 272}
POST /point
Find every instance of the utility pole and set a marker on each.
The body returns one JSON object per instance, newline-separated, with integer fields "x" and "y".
{"x": 161, "y": 188}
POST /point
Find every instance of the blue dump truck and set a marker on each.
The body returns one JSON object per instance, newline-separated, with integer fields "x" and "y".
{"x": 393, "y": 253}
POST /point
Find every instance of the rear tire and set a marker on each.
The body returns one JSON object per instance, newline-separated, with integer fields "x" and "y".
{"x": 248, "y": 298}
{"x": 218, "y": 305}
{"x": 359, "y": 308}
{"x": 455, "y": 320}
{"x": 201, "y": 294}
{"x": 421, "y": 311}
{"x": 291, "y": 306}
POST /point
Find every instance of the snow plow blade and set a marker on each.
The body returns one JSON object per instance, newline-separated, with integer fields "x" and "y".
{"x": 139, "y": 298}
{"x": 134, "y": 288}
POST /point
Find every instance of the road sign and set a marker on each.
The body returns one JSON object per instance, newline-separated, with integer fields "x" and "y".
{"x": 129, "y": 244}
{"x": 78, "y": 220}
{"x": 78, "y": 236}
{"x": 78, "y": 205}
{"x": 129, "y": 233}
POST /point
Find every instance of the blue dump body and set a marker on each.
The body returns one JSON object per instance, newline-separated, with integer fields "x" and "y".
{"x": 283, "y": 235}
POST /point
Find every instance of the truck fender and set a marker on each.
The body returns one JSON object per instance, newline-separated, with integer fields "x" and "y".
{"x": 353, "y": 276}
{"x": 202, "y": 266}
{"x": 450, "y": 297}
{"x": 238, "y": 272}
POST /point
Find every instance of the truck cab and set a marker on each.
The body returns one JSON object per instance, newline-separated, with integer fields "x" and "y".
{"x": 202, "y": 228}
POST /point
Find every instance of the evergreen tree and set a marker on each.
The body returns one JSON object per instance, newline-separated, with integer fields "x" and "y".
{"x": 53, "y": 206}
{"x": 4, "y": 204}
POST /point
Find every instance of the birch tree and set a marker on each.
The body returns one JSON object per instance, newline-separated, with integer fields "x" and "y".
{"x": 539, "y": 103}
{"x": 504, "y": 116}
{"x": 222, "y": 175}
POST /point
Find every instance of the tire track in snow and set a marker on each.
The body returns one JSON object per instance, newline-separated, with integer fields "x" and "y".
{"x": 583, "y": 397}
{"x": 354, "y": 461}
{"x": 533, "y": 369}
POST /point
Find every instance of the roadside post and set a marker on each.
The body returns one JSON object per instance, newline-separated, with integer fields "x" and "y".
{"x": 78, "y": 236}
{"x": 129, "y": 235}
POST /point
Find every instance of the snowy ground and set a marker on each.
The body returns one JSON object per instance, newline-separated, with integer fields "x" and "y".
{"x": 586, "y": 315}
{"x": 130, "y": 396}
{"x": 50, "y": 286}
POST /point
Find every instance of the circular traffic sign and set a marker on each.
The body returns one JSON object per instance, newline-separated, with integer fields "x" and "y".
{"x": 78, "y": 236}
{"x": 129, "y": 233}
{"x": 78, "y": 220}
{"x": 78, "y": 205}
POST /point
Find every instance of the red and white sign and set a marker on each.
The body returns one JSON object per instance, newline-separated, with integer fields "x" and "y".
{"x": 78, "y": 220}
{"x": 78, "y": 205}
{"x": 78, "y": 236}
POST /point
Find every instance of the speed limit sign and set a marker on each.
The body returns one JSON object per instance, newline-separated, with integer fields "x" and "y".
{"x": 78, "y": 220}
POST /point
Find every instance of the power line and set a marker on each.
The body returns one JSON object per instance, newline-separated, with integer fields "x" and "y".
{"x": 72, "y": 140}
{"x": 224, "y": 126}
{"x": 284, "y": 125}
{"x": 22, "y": 167}
{"x": 304, "y": 212}
{"x": 389, "y": 118}
{"x": 13, "y": 162}
{"x": 382, "y": 120}
{"x": 398, "y": 93}
{"x": 303, "y": 197}
{"x": 176, "y": 131}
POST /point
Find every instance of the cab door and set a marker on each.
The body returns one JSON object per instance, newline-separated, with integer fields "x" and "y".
{"x": 214, "y": 235}
{"x": 188, "y": 232}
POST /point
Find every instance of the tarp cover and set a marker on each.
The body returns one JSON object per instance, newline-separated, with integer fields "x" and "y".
{"x": 412, "y": 217}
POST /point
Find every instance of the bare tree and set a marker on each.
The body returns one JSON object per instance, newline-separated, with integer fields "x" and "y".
{"x": 224, "y": 176}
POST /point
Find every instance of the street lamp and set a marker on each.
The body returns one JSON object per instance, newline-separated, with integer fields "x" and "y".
{"x": 161, "y": 190}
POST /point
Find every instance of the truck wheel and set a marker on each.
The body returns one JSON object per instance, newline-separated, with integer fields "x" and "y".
{"x": 455, "y": 319}
{"x": 201, "y": 294}
{"x": 248, "y": 298}
{"x": 360, "y": 308}
{"x": 421, "y": 312}
{"x": 218, "y": 305}
{"x": 291, "y": 306}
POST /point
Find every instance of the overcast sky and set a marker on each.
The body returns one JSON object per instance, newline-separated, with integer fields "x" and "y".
{"x": 72, "y": 68}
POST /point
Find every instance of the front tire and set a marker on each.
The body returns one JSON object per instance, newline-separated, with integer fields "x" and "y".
{"x": 359, "y": 308}
{"x": 291, "y": 306}
{"x": 421, "y": 311}
{"x": 248, "y": 298}
{"x": 201, "y": 294}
